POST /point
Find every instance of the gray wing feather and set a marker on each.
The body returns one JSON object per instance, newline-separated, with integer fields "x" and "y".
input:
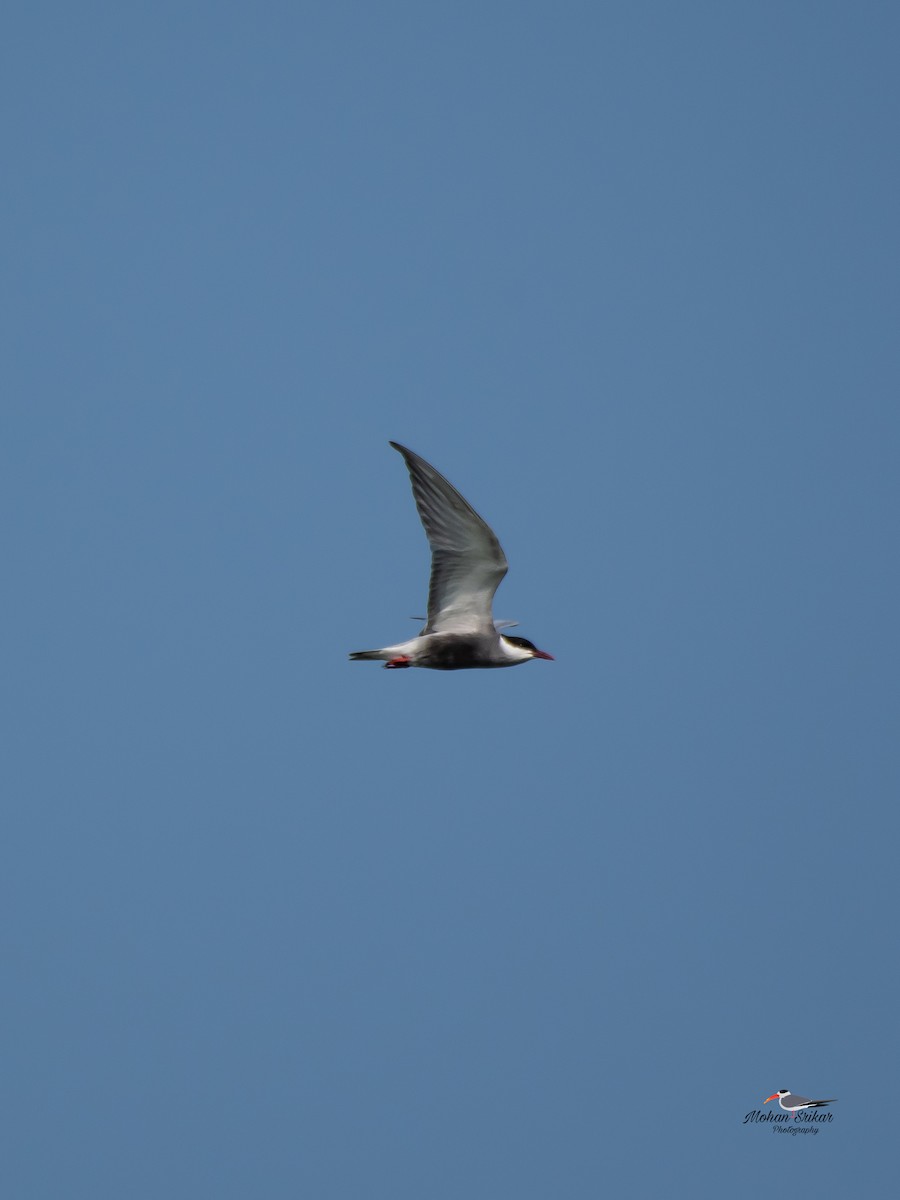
{"x": 467, "y": 560}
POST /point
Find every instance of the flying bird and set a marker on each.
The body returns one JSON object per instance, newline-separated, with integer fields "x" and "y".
{"x": 467, "y": 565}
{"x": 793, "y": 1104}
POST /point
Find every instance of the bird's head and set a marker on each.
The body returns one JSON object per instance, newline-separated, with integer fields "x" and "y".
{"x": 527, "y": 649}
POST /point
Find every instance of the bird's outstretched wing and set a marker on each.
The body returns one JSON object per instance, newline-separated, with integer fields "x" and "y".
{"x": 467, "y": 561}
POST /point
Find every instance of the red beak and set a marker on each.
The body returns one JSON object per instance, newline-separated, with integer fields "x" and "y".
{"x": 775, "y": 1097}
{"x": 544, "y": 654}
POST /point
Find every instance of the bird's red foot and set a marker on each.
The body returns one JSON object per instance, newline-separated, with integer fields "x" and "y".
{"x": 402, "y": 661}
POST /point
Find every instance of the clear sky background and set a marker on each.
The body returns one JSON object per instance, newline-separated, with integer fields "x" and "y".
{"x": 279, "y": 925}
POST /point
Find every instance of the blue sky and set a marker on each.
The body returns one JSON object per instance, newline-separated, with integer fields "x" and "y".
{"x": 281, "y": 925}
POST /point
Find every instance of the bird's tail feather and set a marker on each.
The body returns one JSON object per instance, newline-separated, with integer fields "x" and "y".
{"x": 366, "y": 656}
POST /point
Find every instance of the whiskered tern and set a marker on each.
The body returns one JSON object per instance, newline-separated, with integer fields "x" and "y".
{"x": 467, "y": 565}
